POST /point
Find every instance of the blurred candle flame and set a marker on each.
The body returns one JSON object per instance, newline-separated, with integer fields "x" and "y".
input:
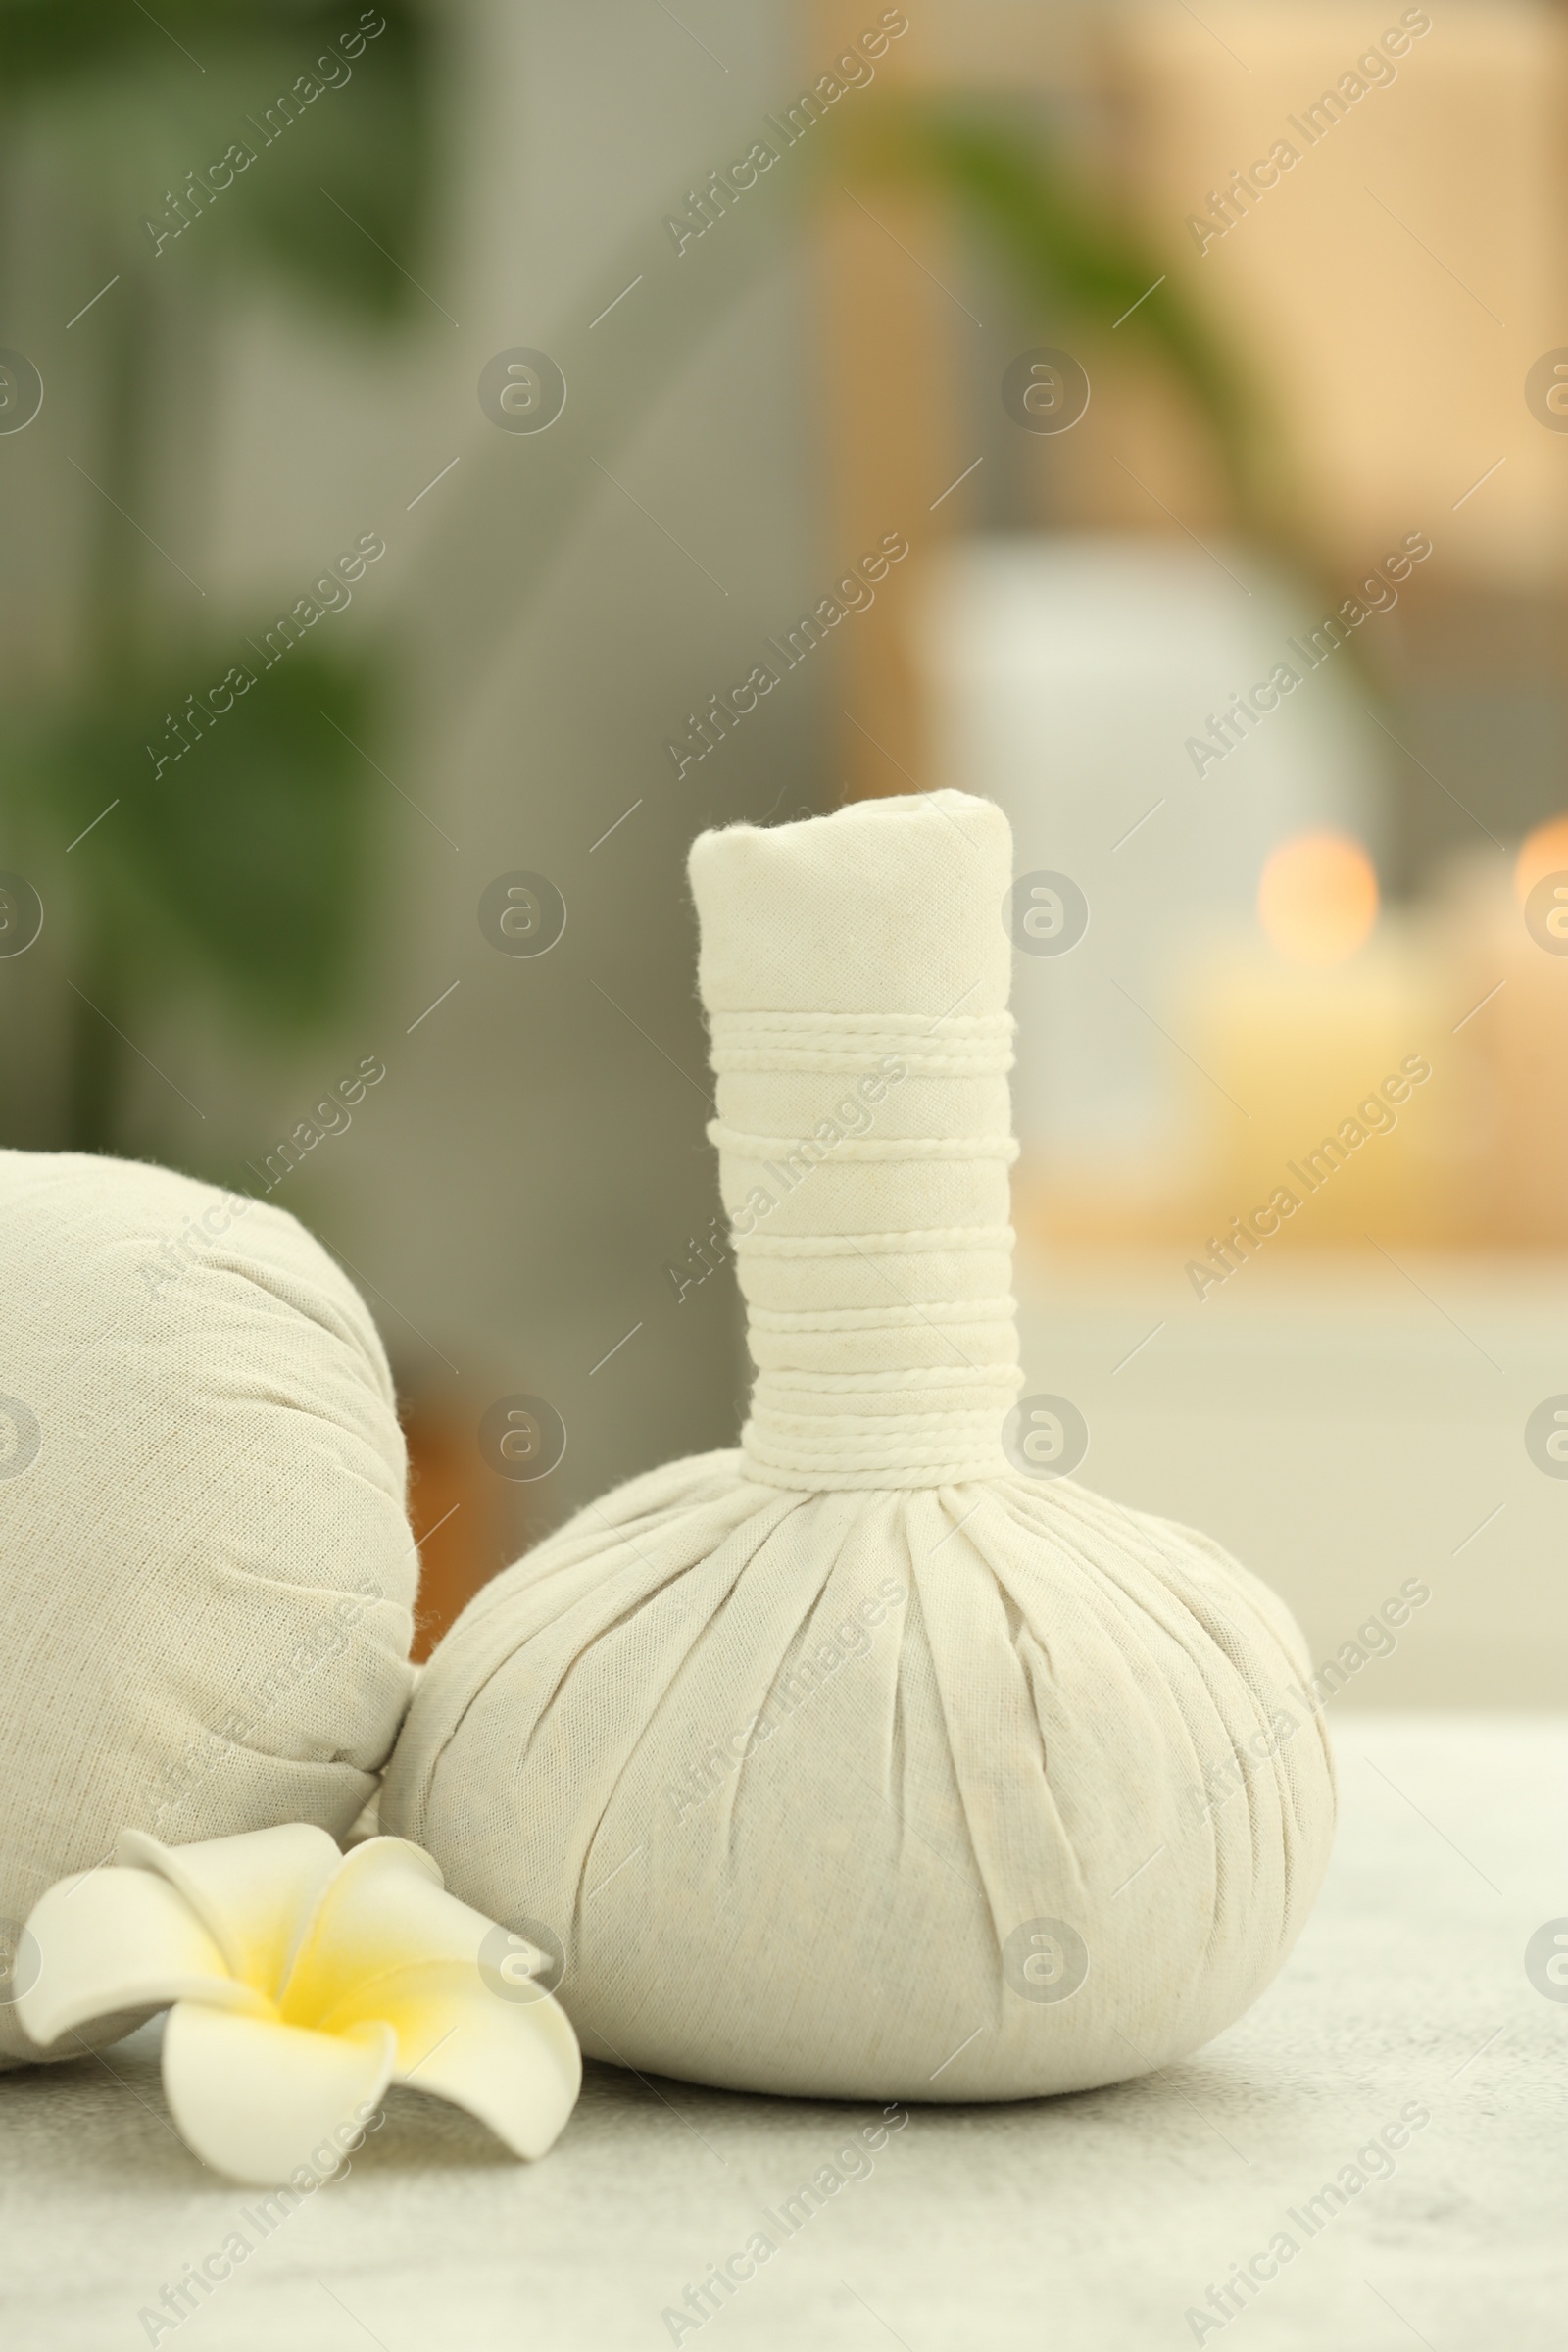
{"x": 1319, "y": 899}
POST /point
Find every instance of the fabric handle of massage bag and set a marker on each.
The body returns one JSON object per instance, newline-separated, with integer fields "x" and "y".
{"x": 856, "y": 979}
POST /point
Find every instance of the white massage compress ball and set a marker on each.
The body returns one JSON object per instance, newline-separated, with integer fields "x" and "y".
{"x": 206, "y": 1569}
{"x": 872, "y": 1759}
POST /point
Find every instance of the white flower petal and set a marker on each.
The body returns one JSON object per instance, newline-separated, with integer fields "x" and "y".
{"x": 511, "y": 2061}
{"x": 259, "y": 2101}
{"x": 255, "y": 1893}
{"x": 383, "y": 1972}
{"x": 111, "y": 1940}
{"x": 386, "y": 1909}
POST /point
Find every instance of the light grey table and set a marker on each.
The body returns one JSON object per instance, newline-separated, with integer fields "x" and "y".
{"x": 1094, "y": 2223}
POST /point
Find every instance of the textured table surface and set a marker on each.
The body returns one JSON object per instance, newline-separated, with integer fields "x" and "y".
{"x": 1098, "y": 2222}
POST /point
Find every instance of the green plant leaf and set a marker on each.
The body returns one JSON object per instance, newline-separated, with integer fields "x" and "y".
{"x": 146, "y": 122}
{"x": 239, "y": 863}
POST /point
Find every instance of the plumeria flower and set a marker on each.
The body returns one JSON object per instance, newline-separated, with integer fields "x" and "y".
{"x": 303, "y": 1981}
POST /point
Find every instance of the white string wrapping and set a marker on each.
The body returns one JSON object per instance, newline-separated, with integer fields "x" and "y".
{"x": 911, "y": 1388}
{"x": 864, "y": 1137}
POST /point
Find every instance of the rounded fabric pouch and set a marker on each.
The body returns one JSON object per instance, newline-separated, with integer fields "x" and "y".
{"x": 874, "y": 1759}
{"x": 205, "y": 1567}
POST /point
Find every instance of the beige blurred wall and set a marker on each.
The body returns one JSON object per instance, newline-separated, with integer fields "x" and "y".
{"x": 1396, "y": 284}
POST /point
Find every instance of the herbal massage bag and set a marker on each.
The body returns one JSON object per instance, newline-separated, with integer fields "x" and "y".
{"x": 869, "y": 1761}
{"x": 205, "y": 1571}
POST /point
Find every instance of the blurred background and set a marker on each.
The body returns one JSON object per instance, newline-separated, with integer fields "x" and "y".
{"x": 424, "y": 429}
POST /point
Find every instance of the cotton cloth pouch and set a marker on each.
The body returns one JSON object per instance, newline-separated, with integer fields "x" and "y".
{"x": 872, "y": 1759}
{"x": 205, "y": 1568}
